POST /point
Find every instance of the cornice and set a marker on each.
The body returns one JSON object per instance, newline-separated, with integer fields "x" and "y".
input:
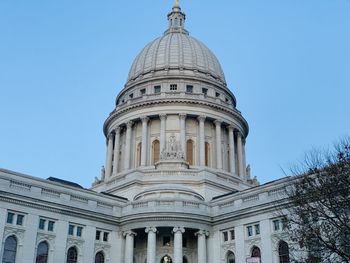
{"x": 57, "y": 208}
{"x": 178, "y": 100}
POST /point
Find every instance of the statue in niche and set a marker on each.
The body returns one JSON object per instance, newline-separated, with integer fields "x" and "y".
{"x": 172, "y": 150}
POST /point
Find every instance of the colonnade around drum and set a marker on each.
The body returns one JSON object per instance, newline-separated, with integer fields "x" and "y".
{"x": 236, "y": 144}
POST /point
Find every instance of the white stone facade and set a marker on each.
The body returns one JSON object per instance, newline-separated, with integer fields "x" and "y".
{"x": 175, "y": 184}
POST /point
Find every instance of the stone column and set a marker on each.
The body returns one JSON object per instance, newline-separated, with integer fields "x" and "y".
{"x": 218, "y": 144}
{"x": 201, "y": 142}
{"x": 178, "y": 244}
{"x": 240, "y": 155}
{"x": 162, "y": 131}
{"x": 232, "y": 149}
{"x": 109, "y": 155}
{"x": 182, "y": 118}
{"x": 144, "y": 140}
{"x": 116, "y": 150}
{"x": 128, "y": 145}
{"x": 129, "y": 246}
{"x": 202, "y": 245}
{"x": 151, "y": 244}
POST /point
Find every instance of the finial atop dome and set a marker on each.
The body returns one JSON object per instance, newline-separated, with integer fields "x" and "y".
{"x": 176, "y": 20}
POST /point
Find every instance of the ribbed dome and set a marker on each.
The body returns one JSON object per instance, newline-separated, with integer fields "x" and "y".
{"x": 176, "y": 51}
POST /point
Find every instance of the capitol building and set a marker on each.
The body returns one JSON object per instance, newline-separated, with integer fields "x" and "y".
{"x": 176, "y": 186}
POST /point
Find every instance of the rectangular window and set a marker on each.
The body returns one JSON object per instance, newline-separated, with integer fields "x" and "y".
{"x": 173, "y": 87}
{"x": 217, "y": 94}
{"x": 276, "y": 225}
{"x": 189, "y": 89}
{"x": 79, "y": 231}
{"x": 98, "y": 235}
{"x": 225, "y": 236}
{"x": 105, "y": 236}
{"x": 20, "y": 220}
{"x": 166, "y": 241}
{"x": 71, "y": 230}
{"x": 249, "y": 231}
{"x": 131, "y": 95}
{"x": 257, "y": 229}
{"x": 50, "y": 226}
{"x": 205, "y": 91}
{"x": 232, "y": 233}
{"x": 143, "y": 91}
{"x": 42, "y": 224}
{"x": 10, "y": 218}
{"x": 157, "y": 89}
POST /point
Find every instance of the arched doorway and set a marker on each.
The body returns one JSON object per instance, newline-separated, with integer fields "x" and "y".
{"x": 42, "y": 252}
{"x": 189, "y": 153}
{"x": 230, "y": 258}
{"x": 166, "y": 259}
{"x": 155, "y": 151}
{"x": 72, "y": 255}
{"x": 283, "y": 252}
{"x": 10, "y": 250}
{"x": 207, "y": 153}
{"x": 100, "y": 257}
{"x": 256, "y": 252}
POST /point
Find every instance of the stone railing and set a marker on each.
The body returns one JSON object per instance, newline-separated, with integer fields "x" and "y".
{"x": 249, "y": 198}
{"x": 39, "y": 189}
{"x": 166, "y": 205}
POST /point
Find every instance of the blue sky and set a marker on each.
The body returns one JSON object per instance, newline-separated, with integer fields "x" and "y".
{"x": 62, "y": 63}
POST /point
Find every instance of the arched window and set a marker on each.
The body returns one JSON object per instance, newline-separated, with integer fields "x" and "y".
{"x": 100, "y": 258}
{"x": 283, "y": 252}
{"x": 139, "y": 145}
{"x": 72, "y": 255}
{"x": 207, "y": 153}
{"x": 256, "y": 252}
{"x": 156, "y": 151}
{"x": 230, "y": 258}
{"x": 189, "y": 153}
{"x": 10, "y": 250}
{"x": 42, "y": 252}
{"x": 166, "y": 259}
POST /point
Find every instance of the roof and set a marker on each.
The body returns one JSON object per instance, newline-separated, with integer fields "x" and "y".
{"x": 64, "y": 182}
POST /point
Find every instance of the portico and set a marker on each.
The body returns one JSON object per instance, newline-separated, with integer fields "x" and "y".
{"x": 176, "y": 244}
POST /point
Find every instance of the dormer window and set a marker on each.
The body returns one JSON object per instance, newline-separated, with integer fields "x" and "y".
{"x": 131, "y": 95}
{"x": 173, "y": 87}
{"x": 205, "y": 91}
{"x": 217, "y": 94}
{"x": 143, "y": 91}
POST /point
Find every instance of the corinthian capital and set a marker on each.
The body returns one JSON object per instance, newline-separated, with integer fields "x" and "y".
{"x": 129, "y": 124}
{"x": 178, "y": 229}
{"x": 144, "y": 119}
{"x": 182, "y": 116}
{"x": 151, "y": 229}
{"x": 202, "y": 233}
{"x": 218, "y": 122}
{"x": 129, "y": 233}
{"x": 201, "y": 118}
{"x": 162, "y": 116}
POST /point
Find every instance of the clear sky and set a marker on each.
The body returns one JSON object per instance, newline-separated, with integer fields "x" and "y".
{"x": 63, "y": 62}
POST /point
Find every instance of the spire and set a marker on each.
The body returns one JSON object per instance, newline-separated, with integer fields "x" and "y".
{"x": 176, "y": 20}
